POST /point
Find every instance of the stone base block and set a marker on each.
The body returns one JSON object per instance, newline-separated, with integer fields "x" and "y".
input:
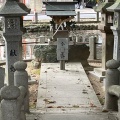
{"x": 100, "y": 71}
{"x": 97, "y": 75}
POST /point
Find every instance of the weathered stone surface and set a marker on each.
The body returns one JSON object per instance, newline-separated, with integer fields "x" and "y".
{"x": 20, "y": 65}
{"x": 10, "y": 92}
{"x": 112, "y": 64}
{"x": 2, "y": 76}
{"x": 112, "y": 78}
{"x": 79, "y": 53}
{"x": 21, "y": 79}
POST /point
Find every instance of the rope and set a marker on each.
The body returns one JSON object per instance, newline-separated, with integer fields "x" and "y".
{"x": 61, "y": 24}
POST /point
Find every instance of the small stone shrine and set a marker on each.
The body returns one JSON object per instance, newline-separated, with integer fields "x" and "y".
{"x": 61, "y": 14}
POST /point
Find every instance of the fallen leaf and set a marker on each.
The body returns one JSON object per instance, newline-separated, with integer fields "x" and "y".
{"x": 76, "y": 106}
{"x": 50, "y": 106}
{"x": 50, "y": 101}
{"x": 92, "y": 105}
{"x": 104, "y": 110}
{"x": 98, "y": 94}
{"x": 45, "y": 100}
{"x": 85, "y": 92}
{"x": 60, "y": 107}
{"x": 43, "y": 87}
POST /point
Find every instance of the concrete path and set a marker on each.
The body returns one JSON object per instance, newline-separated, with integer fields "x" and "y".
{"x": 67, "y": 95}
{"x": 65, "y": 89}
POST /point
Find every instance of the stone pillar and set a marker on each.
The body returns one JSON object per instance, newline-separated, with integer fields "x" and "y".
{"x": 20, "y": 102}
{"x": 62, "y": 51}
{"x": 116, "y": 51}
{"x": 2, "y": 76}
{"x": 107, "y": 48}
{"x": 92, "y": 48}
{"x": 97, "y": 16}
{"x": 62, "y": 54}
{"x": 112, "y": 78}
{"x": 36, "y": 17}
{"x": 12, "y": 11}
{"x": 107, "y": 35}
{"x": 9, "y": 106}
{"x": 13, "y": 47}
{"x": 21, "y": 79}
{"x": 78, "y": 16}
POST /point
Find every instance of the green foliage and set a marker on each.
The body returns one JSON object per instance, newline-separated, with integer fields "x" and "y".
{"x": 45, "y": 53}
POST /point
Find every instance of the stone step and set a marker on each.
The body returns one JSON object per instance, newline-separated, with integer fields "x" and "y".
{"x": 79, "y": 116}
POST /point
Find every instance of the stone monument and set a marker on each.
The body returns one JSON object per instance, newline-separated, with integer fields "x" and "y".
{"x": 107, "y": 35}
{"x": 12, "y": 12}
{"x": 116, "y": 29}
{"x": 61, "y": 13}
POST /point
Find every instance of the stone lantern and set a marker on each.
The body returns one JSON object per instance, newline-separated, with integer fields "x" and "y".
{"x": 115, "y": 8}
{"x": 61, "y": 14}
{"x": 12, "y": 12}
{"x": 107, "y": 35}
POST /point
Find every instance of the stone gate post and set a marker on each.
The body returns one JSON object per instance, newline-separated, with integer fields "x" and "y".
{"x": 12, "y": 11}
{"x": 21, "y": 79}
{"x": 112, "y": 78}
{"x": 9, "y": 107}
{"x": 107, "y": 35}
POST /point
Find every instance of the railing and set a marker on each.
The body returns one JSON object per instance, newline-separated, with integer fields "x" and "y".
{"x": 80, "y": 19}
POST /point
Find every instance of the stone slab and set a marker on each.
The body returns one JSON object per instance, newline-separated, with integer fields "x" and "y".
{"x": 65, "y": 89}
{"x": 98, "y": 76}
{"x": 100, "y": 71}
{"x": 80, "y": 116}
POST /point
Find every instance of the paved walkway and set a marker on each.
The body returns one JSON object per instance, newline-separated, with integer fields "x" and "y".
{"x": 65, "y": 88}
{"x": 67, "y": 95}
